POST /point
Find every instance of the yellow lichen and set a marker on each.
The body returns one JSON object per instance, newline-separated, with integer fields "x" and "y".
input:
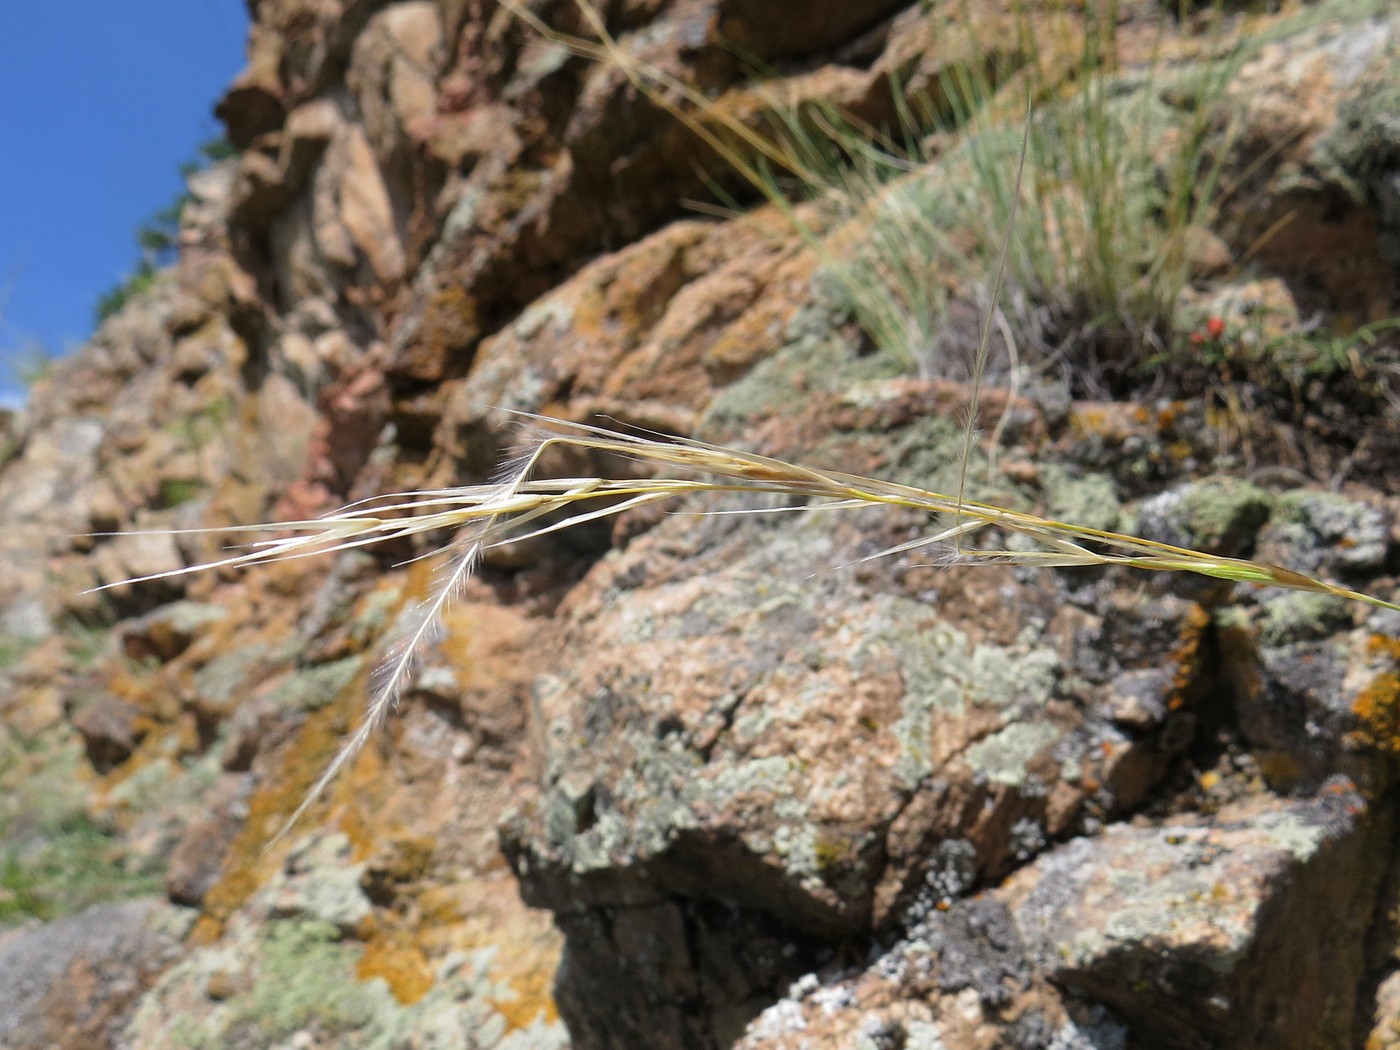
{"x": 248, "y": 864}
{"x": 533, "y": 1001}
{"x": 1377, "y": 706}
{"x": 394, "y": 955}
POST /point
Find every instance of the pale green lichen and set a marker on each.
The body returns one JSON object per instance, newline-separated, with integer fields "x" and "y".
{"x": 1090, "y": 500}
{"x": 1004, "y": 677}
{"x": 293, "y": 980}
{"x": 1005, "y": 756}
{"x": 1326, "y": 532}
{"x": 1300, "y": 838}
{"x": 813, "y": 360}
{"x": 923, "y": 1035}
{"x": 552, "y": 312}
{"x": 1217, "y": 514}
{"x": 228, "y": 676}
{"x": 1297, "y": 616}
{"x": 1219, "y": 509}
{"x": 776, "y": 775}
{"x": 944, "y": 672}
{"x": 319, "y": 883}
{"x": 168, "y": 779}
{"x": 316, "y": 687}
{"x": 650, "y": 807}
{"x": 1161, "y": 897}
{"x": 305, "y": 976}
{"x": 927, "y": 453}
{"x": 189, "y": 618}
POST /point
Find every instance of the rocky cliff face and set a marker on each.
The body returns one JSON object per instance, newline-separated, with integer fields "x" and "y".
{"x": 655, "y": 785}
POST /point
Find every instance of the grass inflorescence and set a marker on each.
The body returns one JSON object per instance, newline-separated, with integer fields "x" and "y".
{"x": 522, "y": 506}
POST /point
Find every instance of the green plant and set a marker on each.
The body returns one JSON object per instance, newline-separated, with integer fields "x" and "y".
{"x": 33, "y": 362}
{"x": 54, "y": 858}
{"x": 64, "y": 869}
{"x": 1123, "y": 163}
{"x": 1252, "y": 348}
{"x": 175, "y": 491}
{"x": 1322, "y": 351}
{"x": 84, "y": 642}
{"x": 13, "y": 650}
{"x": 196, "y": 431}
{"x": 157, "y": 237}
{"x": 1099, "y": 260}
{"x": 115, "y": 299}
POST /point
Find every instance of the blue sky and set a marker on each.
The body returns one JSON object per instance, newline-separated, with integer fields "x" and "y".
{"x": 100, "y": 104}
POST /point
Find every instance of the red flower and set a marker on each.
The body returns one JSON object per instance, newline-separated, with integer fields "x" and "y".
{"x": 1197, "y": 338}
{"x": 1215, "y": 327}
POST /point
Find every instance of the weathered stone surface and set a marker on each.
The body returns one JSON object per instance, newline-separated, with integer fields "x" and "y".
{"x": 167, "y": 632}
{"x": 109, "y": 730}
{"x": 284, "y": 971}
{"x": 960, "y": 979}
{"x": 1193, "y": 934}
{"x": 843, "y": 752}
{"x": 72, "y": 983}
{"x": 197, "y": 858}
{"x": 774, "y": 794}
{"x": 1244, "y": 930}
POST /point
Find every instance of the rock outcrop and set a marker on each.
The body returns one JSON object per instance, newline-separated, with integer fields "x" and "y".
{"x": 693, "y": 781}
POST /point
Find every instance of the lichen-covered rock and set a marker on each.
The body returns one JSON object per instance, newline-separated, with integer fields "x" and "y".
{"x": 1313, "y": 675}
{"x": 843, "y": 752}
{"x": 960, "y": 979}
{"x": 307, "y": 961}
{"x": 774, "y": 790}
{"x": 1190, "y": 934}
{"x": 1246, "y": 930}
{"x": 70, "y": 983}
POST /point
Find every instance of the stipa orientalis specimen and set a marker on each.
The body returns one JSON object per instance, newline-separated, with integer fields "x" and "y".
{"x": 522, "y": 506}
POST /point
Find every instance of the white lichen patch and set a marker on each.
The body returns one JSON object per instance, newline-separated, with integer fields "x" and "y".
{"x": 945, "y": 675}
{"x": 320, "y": 883}
{"x": 1299, "y": 837}
{"x": 774, "y": 776}
{"x": 1005, "y": 756}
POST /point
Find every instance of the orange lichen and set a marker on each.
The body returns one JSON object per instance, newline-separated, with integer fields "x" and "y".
{"x": 463, "y": 916}
{"x": 1377, "y": 706}
{"x": 394, "y": 955}
{"x": 636, "y": 289}
{"x": 1185, "y": 659}
{"x": 315, "y": 746}
{"x": 451, "y": 317}
{"x": 206, "y": 930}
{"x": 527, "y": 967}
{"x": 403, "y": 945}
{"x": 247, "y": 865}
{"x": 1384, "y": 646}
{"x": 1113, "y": 421}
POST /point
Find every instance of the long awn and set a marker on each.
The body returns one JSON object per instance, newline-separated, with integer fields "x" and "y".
{"x": 521, "y": 507}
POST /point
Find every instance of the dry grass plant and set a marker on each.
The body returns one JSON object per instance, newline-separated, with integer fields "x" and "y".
{"x": 1125, "y": 167}
{"x": 1123, "y": 164}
